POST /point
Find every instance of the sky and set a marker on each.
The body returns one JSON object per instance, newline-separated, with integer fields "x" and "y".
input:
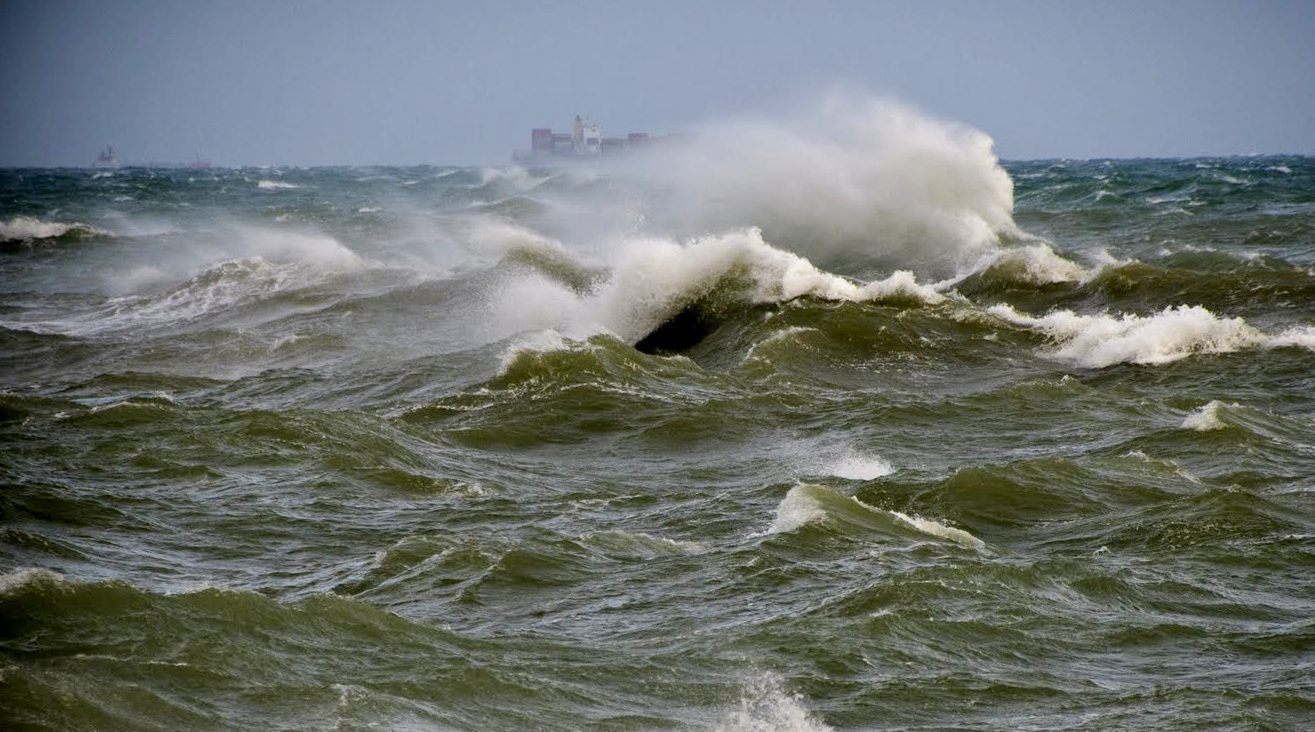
{"x": 328, "y": 82}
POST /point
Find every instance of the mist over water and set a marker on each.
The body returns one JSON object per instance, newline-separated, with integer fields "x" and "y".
{"x": 826, "y": 421}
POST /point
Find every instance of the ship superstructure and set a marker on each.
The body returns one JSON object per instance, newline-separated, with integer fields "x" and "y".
{"x": 584, "y": 141}
{"x": 106, "y": 159}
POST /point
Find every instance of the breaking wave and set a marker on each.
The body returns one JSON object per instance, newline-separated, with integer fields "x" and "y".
{"x": 767, "y": 706}
{"x": 1098, "y": 341}
{"x": 264, "y": 263}
{"x": 27, "y": 228}
{"x": 1030, "y": 264}
{"x": 854, "y": 182}
{"x": 1207, "y": 418}
{"x": 807, "y": 504}
{"x": 652, "y": 280}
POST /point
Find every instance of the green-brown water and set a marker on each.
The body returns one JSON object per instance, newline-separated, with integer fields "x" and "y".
{"x": 348, "y": 448}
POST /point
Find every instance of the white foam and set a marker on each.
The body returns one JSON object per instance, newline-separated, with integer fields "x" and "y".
{"x": 652, "y": 279}
{"x": 766, "y": 706}
{"x": 517, "y": 178}
{"x": 542, "y": 341}
{"x": 897, "y": 285}
{"x": 847, "y": 174}
{"x": 12, "y": 582}
{"x": 854, "y": 465}
{"x": 1206, "y": 418}
{"x": 796, "y": 510}
{"x": 497, "y": 237}
{"x": 276, "y": 185}
{"x": 1296, "y": 336}
{"x": 290, "y": 245}
{"x": 268, "y": 262}
{"x": 534, "y": 303}
{"x": 1097, "y": 341}
{"x": 1042, "y": 265}
{"x": 938, "y": 530}
{"x": 1035, "y": 263}
{"x": 138, "y": 279}
{"x": 644, "y": 544}
{"x": 803, "y": 505}
{"x": 25, "y": 228}
{"x": 655, "y": 278}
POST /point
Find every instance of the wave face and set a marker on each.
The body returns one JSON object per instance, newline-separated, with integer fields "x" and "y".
{"x": 828, "y": 421}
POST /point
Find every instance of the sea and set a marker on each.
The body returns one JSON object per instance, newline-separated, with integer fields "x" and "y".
{"x": 827, "y": 426}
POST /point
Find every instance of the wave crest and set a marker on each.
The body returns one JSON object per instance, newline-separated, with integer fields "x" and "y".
{"x": 1207, "y": 418}
{"x": 854, "y": 179}
{"x": 1097, "y": 341}
{"x": 655, "y": 279}
{"x": 28, "y": 228}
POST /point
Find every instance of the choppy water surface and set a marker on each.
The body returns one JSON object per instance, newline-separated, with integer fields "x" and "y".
{"x": 925, "y": 442}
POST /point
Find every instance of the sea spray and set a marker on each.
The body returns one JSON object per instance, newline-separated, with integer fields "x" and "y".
{"x": 275, "y": 463}
{"x": 1097, "y": 341}
{"x": 853, "y": 182}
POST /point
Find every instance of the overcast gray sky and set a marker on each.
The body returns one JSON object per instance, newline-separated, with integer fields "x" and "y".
{"x": 399, "y": 82}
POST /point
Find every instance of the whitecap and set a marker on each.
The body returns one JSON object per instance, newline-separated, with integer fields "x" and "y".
{"x": 805, "y": 504}
{"x": 641, "y": 544}
{"x": 796, "y": 510}
{"x": 855, "y": 465}
{"x": 652, "y": 279}
{"x": 1035, "y": 263}
{"x": 1097, "y": 341}
{"x": 1207, "y": 417}
{"x": 27, "y": 228}
{"x": 847, "y": 174}
{"x": 19, "y": 579}
{"x": 542, "y": 341}
{"x": 765, "y": 705}
{"x": 937, "y": 529}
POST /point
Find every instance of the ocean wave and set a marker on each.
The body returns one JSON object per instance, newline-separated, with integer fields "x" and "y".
{"x": 1207, "y": 418}
{"x": 854, "y": 465}
{"x": 807, "y": 504}
{"x": 513, "y": 178}
{"x": 797, "y": 509}
{"x": 275, "y": 185}
{"x": 653, "y": 280}
{"x": 854, "y": 179}
{"x": 766, "y": 705}
{"x": 1028, "y": 264}
{"x": 937, "y": 529}
{"x": 277, "y": 262}
{"x": 1098, "y": 341}
{"x": 639, "y": 545}
{"x": 27, "y": 228}
{"x": 28, "y": 578}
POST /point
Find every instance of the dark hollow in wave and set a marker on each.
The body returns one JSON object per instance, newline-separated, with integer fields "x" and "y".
{"x": 681, "y": 332}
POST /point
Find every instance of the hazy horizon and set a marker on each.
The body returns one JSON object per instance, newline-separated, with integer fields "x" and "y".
{"x": 413, "y": 83}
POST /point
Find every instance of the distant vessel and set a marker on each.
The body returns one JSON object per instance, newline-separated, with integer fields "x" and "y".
{"x": 106, "y": 159}
{"x": 584, "y": 141}
{"x": 199, "y": 164}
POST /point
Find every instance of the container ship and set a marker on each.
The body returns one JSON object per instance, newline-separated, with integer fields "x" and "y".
{"x": 584, "y": 141}
{"x": 106, "y": 160}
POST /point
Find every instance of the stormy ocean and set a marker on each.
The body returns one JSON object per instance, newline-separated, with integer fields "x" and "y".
{"x": 838, "y": 423}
